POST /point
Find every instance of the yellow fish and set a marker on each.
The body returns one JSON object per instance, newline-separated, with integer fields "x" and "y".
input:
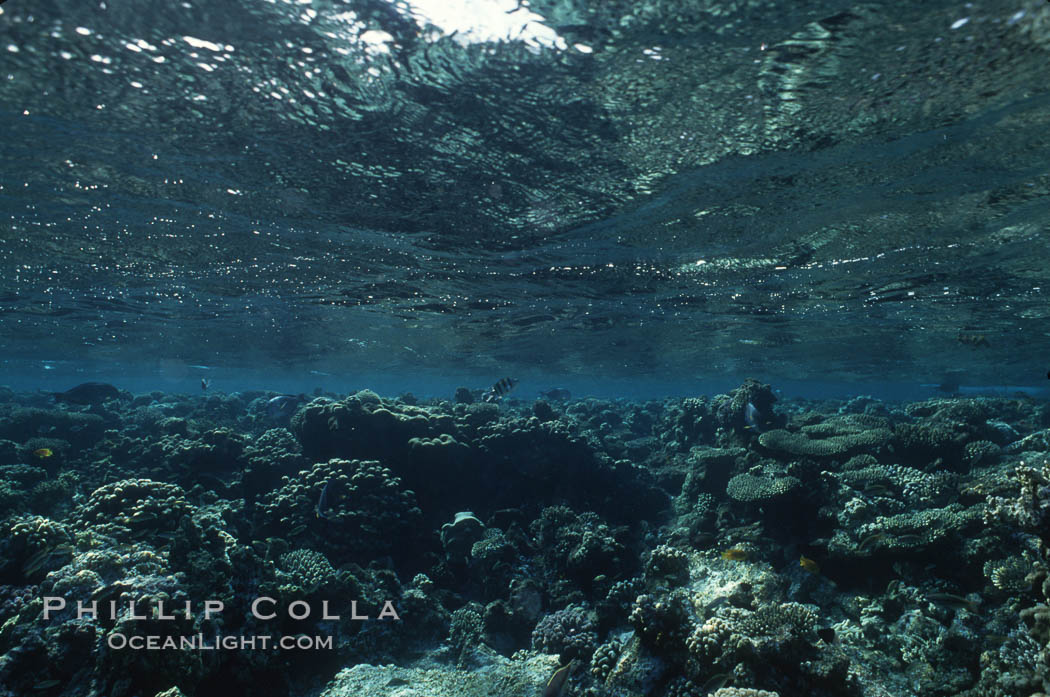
{"x": 43, "y": 452}
{"x": 557, "y": 682}
{"x": 734, "y": 554}
{"x": 809, "y": 565}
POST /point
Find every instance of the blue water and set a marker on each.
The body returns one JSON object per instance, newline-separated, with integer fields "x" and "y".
{"x": 796, "y": 252}
{"x": 787, "y": 193}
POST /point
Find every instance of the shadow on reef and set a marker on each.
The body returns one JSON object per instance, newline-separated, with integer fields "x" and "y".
{"x": 737, "y": 545}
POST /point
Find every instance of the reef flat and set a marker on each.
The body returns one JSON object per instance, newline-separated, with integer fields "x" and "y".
{"x": 738, "y": 545}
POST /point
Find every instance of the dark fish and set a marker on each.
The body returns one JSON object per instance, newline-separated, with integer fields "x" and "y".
{"x": 48, "y": 559}
{"x": 558, "y": 394}
{"x": 283, "y": 406}
{"x": 827, "y": 635}
{"x": 972, "y": 339}
{"x": 557, "y": 681}
{"x": 950, "y": 382}
{"x": 871, "y": 539}
{"x": 956, "y": 602}
{"x": 753, "y": 418}
{"x": 704, "y": 539}
{"x": 500, "y": 389}
{"x": 717, "y": 603}
{"x": 322, "y": 502}
{"x": 715, "y": 683}
{"x": 205, "y": 384}
{"x": 88, "y": 393}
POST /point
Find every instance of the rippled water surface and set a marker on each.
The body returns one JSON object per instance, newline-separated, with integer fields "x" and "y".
{"x": 666, "y": 190}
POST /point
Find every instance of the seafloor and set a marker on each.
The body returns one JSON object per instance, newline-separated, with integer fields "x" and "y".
{"x": 677, "y": 547}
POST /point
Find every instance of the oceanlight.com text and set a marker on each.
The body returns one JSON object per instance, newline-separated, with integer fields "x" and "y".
{"x": 199, "y": 642}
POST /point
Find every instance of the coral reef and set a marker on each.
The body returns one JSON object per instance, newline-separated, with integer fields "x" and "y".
{"x": 571, "y": 633}
{"x": 354, "y": 508}
{"x": 836, "y": 437}
{"x": 132, "y": 507}
{"x": 756, "y": 486}
{"x": 739, "y": 545}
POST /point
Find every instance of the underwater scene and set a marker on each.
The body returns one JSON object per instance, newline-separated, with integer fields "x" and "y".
{"x": 524, "y": 348}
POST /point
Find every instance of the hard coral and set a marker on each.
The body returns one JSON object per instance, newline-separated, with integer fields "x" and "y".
{"x": 365, "y": 508}
{"x": 837, "y": 437}
{"x": 757, "y": 487}
{"x": 131, "y": 506}
{"x": 570, "y": 633}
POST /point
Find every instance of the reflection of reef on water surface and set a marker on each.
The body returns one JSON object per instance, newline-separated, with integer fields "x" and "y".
{"x": 726, "y": 545}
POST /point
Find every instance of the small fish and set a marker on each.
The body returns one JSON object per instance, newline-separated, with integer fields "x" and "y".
{"x": 87, "y": 393}
{"x": 558, "y": 394}
{"x": 557, "y": 681}
{"x": 704, "y": 539}
{"x": 205, "y": 384}
{"x": 953, "y": 601}
{"x": 871, "y": 539}
{"x": 323, "y": 501}
{"x": 42, "y": 453}
{"x": 951, "y": 381}
{"x": 47, "y": 684}
{"x": 500, "y": 389}
{"x": 734, "y": 554}
{"x": 717, "y": 603}
{"x": 909, "y": 540}
{"x": 49, "y": 559}
{"x": 753, "y": 418}
{"x": 808, "y": 564}
{"x": 827, "y": 635}
{"x": 715, "y": 683}
{"x": 283, "y": 406}
{"x": 972, "y": 339}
